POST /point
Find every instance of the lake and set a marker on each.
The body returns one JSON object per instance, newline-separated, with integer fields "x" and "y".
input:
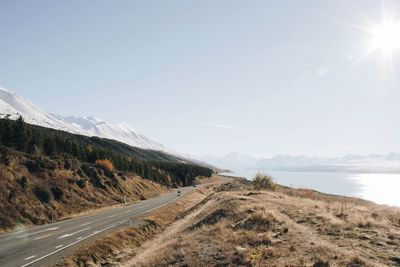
{"x": 381, "y": 188}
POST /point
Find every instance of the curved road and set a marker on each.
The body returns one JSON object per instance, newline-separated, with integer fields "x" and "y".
{"x": 44, "y": 245}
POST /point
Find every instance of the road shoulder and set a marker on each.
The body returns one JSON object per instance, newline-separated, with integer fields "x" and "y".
{"x": 119, "y": 246}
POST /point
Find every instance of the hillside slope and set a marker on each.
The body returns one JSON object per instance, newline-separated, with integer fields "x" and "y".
{"x": 240, "y": 226}
{"x": 48, "y": 174}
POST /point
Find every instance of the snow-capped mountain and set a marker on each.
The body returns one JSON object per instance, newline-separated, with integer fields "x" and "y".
{"x": 14, "y": 105}
{"x": 121, "y": 131}
{"x": 348, "y": 163}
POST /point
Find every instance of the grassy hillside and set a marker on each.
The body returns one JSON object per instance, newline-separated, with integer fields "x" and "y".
{"x": 243, "y": 226}
{"x": 48, "y": 175}
{"x": 239, "y": 223}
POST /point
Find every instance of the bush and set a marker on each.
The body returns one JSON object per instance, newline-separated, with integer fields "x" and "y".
{"x": 42, "y": 193}
{"x": 57, "y": 192}
{"x": 23, "y": 182}
{"x": 82, "y": 183}
{"x": 89, "y": 171}
{"x": 321, "y": 263}
{"x": 32, "y": 165}
{"x": 4, "y": 155}
{"x": 104, "y": 164}
{"x": 262, "y": 181}
{"x": 6, "y": 222}
{"x": 260, "y": 222}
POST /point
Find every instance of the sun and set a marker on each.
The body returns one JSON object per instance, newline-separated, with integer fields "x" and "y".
{"x": 385, "y": 37}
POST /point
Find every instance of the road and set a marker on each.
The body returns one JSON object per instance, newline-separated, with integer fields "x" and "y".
{"x": 43, "y": 245}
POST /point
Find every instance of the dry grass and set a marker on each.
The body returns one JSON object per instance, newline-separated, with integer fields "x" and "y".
{"x": 238, "y": 227}
{"x": 36, "y": 197}
{"x": 118, "y": 247}
{"x": 105, "y": 164}
{"x": 263, "y": 181}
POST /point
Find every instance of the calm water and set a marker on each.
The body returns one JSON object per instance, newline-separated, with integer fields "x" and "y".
{"x": 382, "y": 188}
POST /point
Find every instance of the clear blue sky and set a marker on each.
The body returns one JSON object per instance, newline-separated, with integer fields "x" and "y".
{"x": 210, "y": 77}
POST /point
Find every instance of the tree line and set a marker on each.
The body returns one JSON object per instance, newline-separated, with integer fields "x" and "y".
{"x": 153, "y": 165}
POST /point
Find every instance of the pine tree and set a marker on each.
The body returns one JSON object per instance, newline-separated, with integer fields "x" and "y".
{"x": 20, "y": 138}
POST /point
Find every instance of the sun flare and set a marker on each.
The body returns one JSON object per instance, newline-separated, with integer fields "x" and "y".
{"x": 385, "y": 37}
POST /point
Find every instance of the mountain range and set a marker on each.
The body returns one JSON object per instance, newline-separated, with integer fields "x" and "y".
{"x": 13, "y": 105}
{"x": 348, "y": 163}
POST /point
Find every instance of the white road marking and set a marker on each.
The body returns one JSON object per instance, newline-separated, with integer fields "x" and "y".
{"x": 31, "y": 257}
{"x": 73, "y": 243}
{"x": 35, "y": 233}
{"x": 79, "y": 238}
{"x": 85, "y": 224}
{"x": 111, "y": 216}
{"x": 41, "y": 237}
{"x": 74, "y": 233}
{"x": 93, "y": 234}
{"x": 59, "y": 246}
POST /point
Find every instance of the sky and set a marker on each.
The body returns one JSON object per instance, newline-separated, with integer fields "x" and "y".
{"x": 210, "y": 77}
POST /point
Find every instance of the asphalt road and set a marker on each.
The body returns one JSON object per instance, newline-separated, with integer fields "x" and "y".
{"x": 36, "y": 246}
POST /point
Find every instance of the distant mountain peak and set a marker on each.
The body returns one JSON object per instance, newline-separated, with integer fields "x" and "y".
{"x": 352, "y": 162}
{"x": 15, "y": 105}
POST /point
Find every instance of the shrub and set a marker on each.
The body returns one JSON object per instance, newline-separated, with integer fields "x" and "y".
{"x": 32, "y": 165}
{"x": 262, "y": 181}
{"x": 256, "y": 255}
{"x": 356, "y": 262}
{"x": 67, "y": 164}
{"x": 259, "y": 222}
{"x": 23, "y": 182}
{"x": 105, "y": 165}
{"x": 321, "y": 263}
{"x": 57, "y": 192}
{"x": 82, "y": 183}
{"x": 6, "y": 222}
{"x": 89, "y": 171}
{"x": 42, "y": 193}
{"x": 4, "y": 155}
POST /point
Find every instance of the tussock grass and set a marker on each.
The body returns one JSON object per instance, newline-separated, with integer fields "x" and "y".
{"x": 285, "y": 227}
{"x": 263, "y": 182}
{"x": 236, "y": 226}
{"x": 118, "y": 247}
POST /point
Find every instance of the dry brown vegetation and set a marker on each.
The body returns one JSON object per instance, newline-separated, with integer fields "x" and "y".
{"x": 105, "y": 165}
{"x": 263, "y": 182}
{"x": 239, "y": 226}
{"x": 33, "y": 194}
{"x": 118, "y": 247}
{"x": 233, "y": 224}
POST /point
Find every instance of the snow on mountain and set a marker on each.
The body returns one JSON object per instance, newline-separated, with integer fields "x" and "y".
{"x": 348, "y": 163}
{"x": 121, "y": 131}
{"x": 14, "y": 105}
{"x": 231, "y": 161}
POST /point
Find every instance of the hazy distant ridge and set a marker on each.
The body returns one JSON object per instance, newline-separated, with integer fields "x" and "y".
{"x": 349, "y": 163}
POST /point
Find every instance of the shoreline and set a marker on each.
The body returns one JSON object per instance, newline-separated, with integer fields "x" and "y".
{"x": 377, "y": 188}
